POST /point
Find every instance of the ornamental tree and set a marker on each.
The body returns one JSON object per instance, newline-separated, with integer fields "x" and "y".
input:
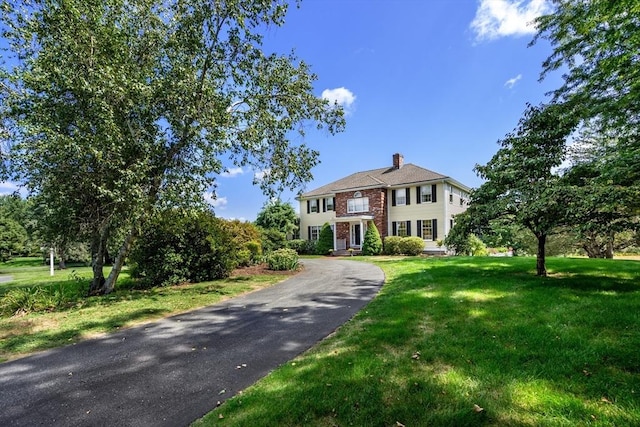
{"x": 112, "y": 109}
{"x": 522, "y": 185}
{"x": 372, "y": 244}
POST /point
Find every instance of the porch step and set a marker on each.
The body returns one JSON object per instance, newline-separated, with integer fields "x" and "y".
{"x": 345, "y": 252}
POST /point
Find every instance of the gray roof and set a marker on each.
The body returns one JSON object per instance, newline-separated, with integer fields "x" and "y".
{"x": 377, "y": 178}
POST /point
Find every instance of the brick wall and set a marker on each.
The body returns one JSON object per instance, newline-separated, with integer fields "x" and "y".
{"x": 377, "y": 208}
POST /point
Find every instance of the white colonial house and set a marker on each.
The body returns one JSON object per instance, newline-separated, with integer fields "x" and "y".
{"x": 402, "y": 200}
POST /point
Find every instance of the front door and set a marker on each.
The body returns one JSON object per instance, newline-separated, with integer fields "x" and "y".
{"x": 355, "y": 235}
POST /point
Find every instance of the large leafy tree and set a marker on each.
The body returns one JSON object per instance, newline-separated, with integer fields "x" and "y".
{"x": 522, "y": 185}
{"x": 117, "y": 107}
{"x": 595, "y": 44}
{"x": 279, "y": 216}
{"x": 603, "y": 206}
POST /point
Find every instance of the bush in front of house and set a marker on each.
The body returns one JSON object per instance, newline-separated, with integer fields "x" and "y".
{"x": 411, "y": 245}
{"x": 392, "y": 245}
{"x": 372, "y": 244}
{"x": 282, "y": 260}
{"x": 302, "y": 247}
{"x": 325, "y": 240}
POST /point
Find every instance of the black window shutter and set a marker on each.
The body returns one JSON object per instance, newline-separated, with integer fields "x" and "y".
{"x": 308, "y": 206}
{"x": 434, "y": 225}
{"x": 419, "y": 225}
{"x": 334, "y": 203}
{"x": 407, "y": 192}
{"x": 408, "y": 228}
{"x": 394, "y": 229}
{"x": 418, "y": 196}
{"x": 308, "y": 231}
{"x": 324, "y": 205}
{"x": 433, "y": 193}
{"x": 393, "y": 200}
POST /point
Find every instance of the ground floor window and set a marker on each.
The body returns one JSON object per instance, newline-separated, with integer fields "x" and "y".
{"x": 314, "y": 232}
{"x": 401, "y": 228}
{"x": 428, "y": 229}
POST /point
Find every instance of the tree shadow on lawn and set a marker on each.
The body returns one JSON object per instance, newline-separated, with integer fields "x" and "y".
{"x": 449, "y": 334}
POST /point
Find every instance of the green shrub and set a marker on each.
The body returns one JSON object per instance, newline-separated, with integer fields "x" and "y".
{"x": 302, "y": 247}
{"x": 244, "y": 258}
{"x": 180, "y": 246}
{"x": 38, "y": 298}
{"x": 372, "y": 244}
{"x": 392, "y": 245}
{"x": 282, "y": 260}
{"x": 325, "y": 240}
{"x": 411, "y": 245}
{"x": 272, "y": 239}
{"x": 477, "y": 246}
{"x": 255, "y": 249}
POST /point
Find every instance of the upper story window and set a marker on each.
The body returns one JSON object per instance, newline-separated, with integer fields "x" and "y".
{"x": 313, "y": 205}
{"x": 450, "y": 198}
{"x": 401, "y": 197}
{"x": 425, "y": 193}
{"x": 329, "y": 203}
{"x": 360, "y": 204}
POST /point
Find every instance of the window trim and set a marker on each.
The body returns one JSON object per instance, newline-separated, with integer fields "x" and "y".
{"x": 354, "y": 207}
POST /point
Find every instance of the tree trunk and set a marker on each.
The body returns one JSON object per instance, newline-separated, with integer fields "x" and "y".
{"x": 110, "y": 283}
{"x": 61, "y": 250}
{"x": 609, "y": 246}
{"x": 98, "y": 242}
{"x": 540, "y": 260}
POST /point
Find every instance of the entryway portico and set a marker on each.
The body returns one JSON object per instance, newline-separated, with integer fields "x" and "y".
{"x": 348, "y": 231}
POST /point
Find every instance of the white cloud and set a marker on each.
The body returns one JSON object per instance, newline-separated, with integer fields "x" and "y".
{"x": 230, "y": 173}
{"x": 511, "y": 82}
{"x": 501, "y": 18}
{"x": 8, "y": 187}
{"x": 341, "y": 96}
{"x": 259, "y": 175}
{"x": 218, "y": 202}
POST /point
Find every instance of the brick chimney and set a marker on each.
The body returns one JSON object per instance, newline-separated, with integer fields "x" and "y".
{"x": 398, "y": 160}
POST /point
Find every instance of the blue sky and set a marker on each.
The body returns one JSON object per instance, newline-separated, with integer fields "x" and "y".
{"x": 440, "y": 81}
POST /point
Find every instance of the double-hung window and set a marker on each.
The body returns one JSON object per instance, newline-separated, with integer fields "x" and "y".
{"x": 314, "y": 232}
{"x": 401, "y": 228}
{"x": 428, "y": 229}
{"x": 425, "y": 193}
{"x": 360, "y": 204}
{"x": 329, "y": 203}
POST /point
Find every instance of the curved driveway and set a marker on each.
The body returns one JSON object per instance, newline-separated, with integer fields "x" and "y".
{"x": 171, "y": 372}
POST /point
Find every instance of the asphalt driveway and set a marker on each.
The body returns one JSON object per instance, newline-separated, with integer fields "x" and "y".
{"x": 173, "y": 371}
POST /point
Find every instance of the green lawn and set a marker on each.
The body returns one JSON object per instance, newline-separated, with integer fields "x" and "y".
{"x": 469, "y": 341}
{"x": 65, "y": 315}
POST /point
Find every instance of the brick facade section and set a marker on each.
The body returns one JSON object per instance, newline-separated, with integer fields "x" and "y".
{"x": 377, "y": 208}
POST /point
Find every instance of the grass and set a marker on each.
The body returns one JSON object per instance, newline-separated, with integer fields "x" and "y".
{"x": 79, "y": 317}
{"x": 468, "y": 342}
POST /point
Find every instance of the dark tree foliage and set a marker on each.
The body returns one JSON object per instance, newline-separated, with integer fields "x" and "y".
{"x": 372, "y": 244}
{"x": 279, "y": 216}
{"x": 325, "y": 240}
{"x": 521, "y": 184}
{"x": 113, "y": 109}
{"x": 180, "y": 246}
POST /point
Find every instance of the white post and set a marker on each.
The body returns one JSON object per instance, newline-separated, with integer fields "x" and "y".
{"x": 51, "y": 261}
{"x": 335, "y": 238}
